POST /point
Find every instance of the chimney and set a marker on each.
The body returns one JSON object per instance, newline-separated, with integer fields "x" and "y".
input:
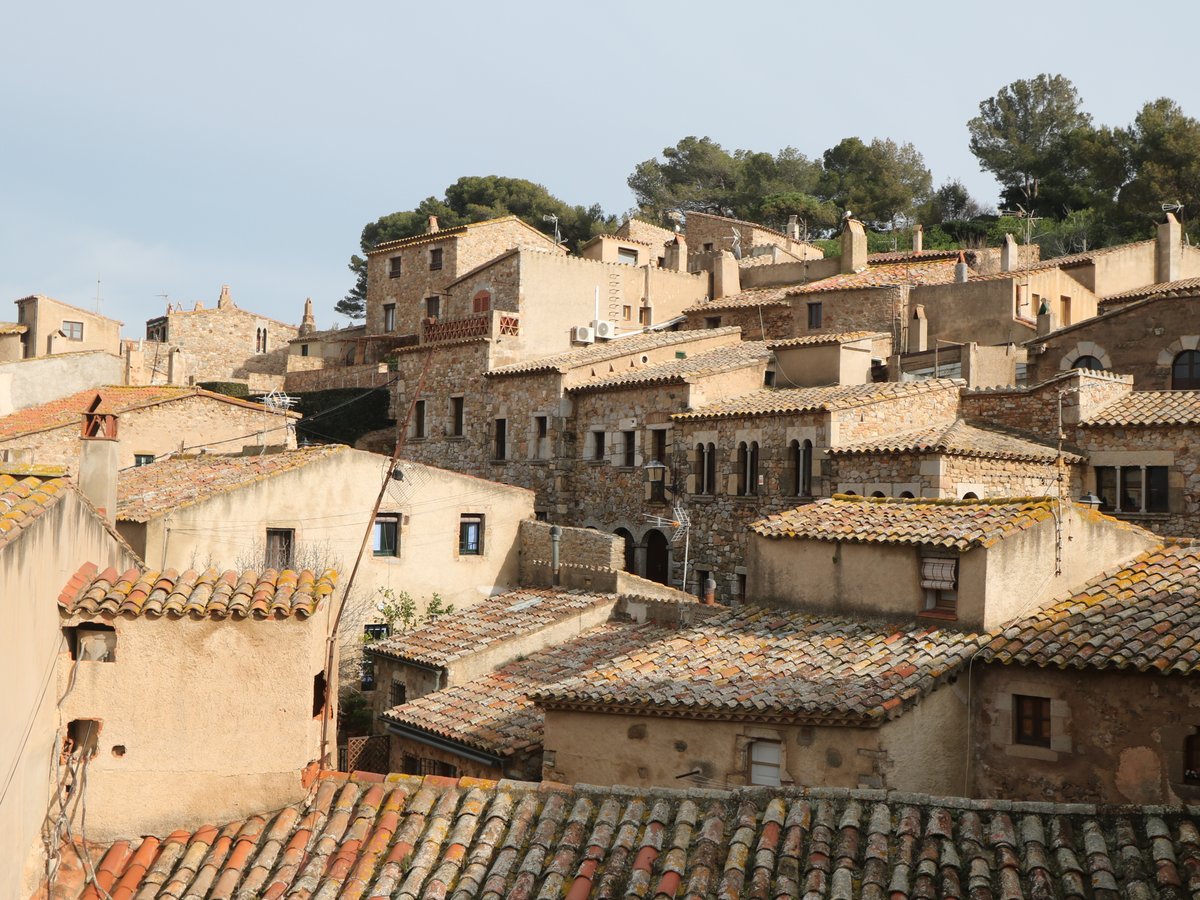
{"x": 918, "y": 238}
{"x": 793, "y": 228}
{"x": 1168, "y": 250}
{"x": 175, "y": 373}
{"x": 225, "y": 301}
{"x": 98, "y": 458}
{"x": 676, "y": 254}
{"x": 854, "y": 247}
{"x": 961, "y": 272}
{"x": 1009, "y": 254}
{"x": 918, "y": 331}
{"x": 726, "y": 277}
{"x": 433, "y": 225}
{"x": 710, "y": 591}
{"x": 309, "y": 323}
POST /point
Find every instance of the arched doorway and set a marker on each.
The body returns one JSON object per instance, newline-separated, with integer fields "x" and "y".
{"x": 630, "y": 559}
{"x": 658, "y": 557}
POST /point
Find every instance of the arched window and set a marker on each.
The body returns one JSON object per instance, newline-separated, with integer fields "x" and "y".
{"x": 481, "y": 302}
{"x": 878, "y": 494}
{"x": 800, "y": 465}
{"x": 1088, "y": 362}
{"x": 747, "y": 469}
{"x": 970, "y": 495}
{"x": 1185, "y": 371}
{"x": 906, "y": 495}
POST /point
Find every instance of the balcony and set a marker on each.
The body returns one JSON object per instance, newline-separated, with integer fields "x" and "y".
{"x": 494, "y": 324}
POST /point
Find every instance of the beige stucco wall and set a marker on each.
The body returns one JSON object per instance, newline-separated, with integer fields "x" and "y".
{"x": 33, "y": 571}
{"x": 824, "y": 364}
{"x": 30, "y": 382}
{"x": 44, "y": 317}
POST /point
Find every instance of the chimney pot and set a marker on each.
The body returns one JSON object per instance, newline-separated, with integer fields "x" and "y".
{"x": 918, "y": 238}
{"x": 433, "y": 224}
{"x": 962, "y": 272}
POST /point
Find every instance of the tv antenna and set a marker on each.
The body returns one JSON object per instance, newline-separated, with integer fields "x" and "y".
{"x": 682, "y": 523}
{"x": 1024, "y": 215}
{"x": 97, "y": 295}
{"x": 550, "y": 217}
{"x": 677, "y": 217}
{"x": 280, "y": 404}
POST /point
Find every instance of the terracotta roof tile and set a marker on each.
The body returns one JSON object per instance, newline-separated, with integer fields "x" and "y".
{"x": 769, "y": 402}
{"x": 495, "y": 620}
{"x": 145, "y": 492}
{"x": 1184, "y": 287}
{"x": 815, "y": 340}
{"x": 1143, "y": 616}
{"x": 958, "y": 524}
{"x": 22, "y": 500}
{"x": 899, "y": 256}
{"x": 495, "y": 713}
{"x": 772, "y": 296}
{"x": 12, "y": 328}
{"x": 602, "y": 351}
{"x": 938, "y": 271}
{"x": 755, "y": 661}
{"x": 209, "y": 594}
{"x": 961, "y": 438}
{"x": 1151, "y": 408}
{"x": 712, "y": 362}
{"x": 453, "y": 231}
{"x": 408, "y": 837}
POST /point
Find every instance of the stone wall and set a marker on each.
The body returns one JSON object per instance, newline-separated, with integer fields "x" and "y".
{"x": 221, "y": 344}
{"x": 866, "y": 309}
{"x": 757, "y": 322}
{"x": 1035, "y": 409}
{"x": 577, "y": 546}
{"x": 372, "y": 375}
{"x": 942, "y": 476}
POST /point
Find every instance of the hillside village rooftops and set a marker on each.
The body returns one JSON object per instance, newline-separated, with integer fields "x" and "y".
{"x": 1150, "y": 408}
{"x": 495, "y": 620}
{"x": 961, "y": 438}
{"x": 495, "y": 713}
{"x": 938, "y": 271}
{"x": 712, "y": 362}
{"x": 956, "y": 524}
{"x": 367, "y": 835}
{"x": 199, "y": 595}
{"x": 771, "y": 402}
{"x": 146, "y": 492}
{"x": 114, "y": 399}
{"x": 1144, "y": 616}
{"x": 23, "y": 500}
{"x": 776, "y": 664}
{"x": 603, "y": 351}
{"x": 1184, "y": 287}
{"x": 817, "y": 340}
{"x": 615, "y": 237}
{"x": 443, "y": 233}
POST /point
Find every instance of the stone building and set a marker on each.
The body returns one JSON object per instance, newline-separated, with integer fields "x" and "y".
{"x": 47, "y": 327}
{"x": 154, "y": 421}
{"x": 707, "y": 233}
{"x": 225, "y": 343}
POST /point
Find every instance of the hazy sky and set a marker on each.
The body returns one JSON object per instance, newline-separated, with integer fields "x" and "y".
{"x": 170, "y": 148}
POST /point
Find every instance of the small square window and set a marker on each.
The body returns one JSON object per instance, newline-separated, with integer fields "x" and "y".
{"x": 418, "y": 424}
{"x": 470, "y": 535}
{"x": 376, "y": 631}
{"x": 280, "y": 547}
{"x": 644, "y": 316}
{"x": 143, "y": 459}
{"x": 814, "y": 315}
{"x": 627, "y": 313}
{"x": 395, "y": 267}
{"x": 73, "y": 330}
{"x": 629, "y": 451}
{"x": 712, "y": 321}
{"x": 304, "y": 349}
{"x": 1031, "y": 720}
{"x": 398, "y": 695}
{"x": 627, "y": 256}
{"x": 433, "y": 307}
{"x": 766, "y": 763}
{"x": 435, "y": 258}
{"x": 769, "y": 378}
{"x": 385, "y": 538}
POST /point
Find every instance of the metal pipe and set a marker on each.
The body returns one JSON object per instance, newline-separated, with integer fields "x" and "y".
{"x": 555, "y": 539}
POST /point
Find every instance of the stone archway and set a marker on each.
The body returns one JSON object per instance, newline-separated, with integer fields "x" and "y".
{"x": 630, "y": 549}
{"x": 658, "y": 556}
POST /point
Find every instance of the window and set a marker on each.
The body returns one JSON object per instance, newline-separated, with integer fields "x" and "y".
{"x": 260, "y": 340}
{"x": 766, "y": 763}
{"x": 395, "y": 267}
{"x": 470, "y": 535}
{"x": 1191, "y": 759}
{"x": 376, "y": 631}
{"x": 712, "y": 321}
{"x": 433, "y": 307}
{"x": 769, "y": 378}
{"x": 419, "y": 765}
{"x": 435, "y": 259}
{"x": 541, "y": 437}
{"x": 320, "y": 694}
{"x": 706, "y": 469}
{"x": 389, "y": 317}
{"x": 456, "y": 416}
{"x": 304, "y": 349}
{"x": 1065, "y": 307}
{"x": 280, "y": 547}
{"x": 500, "y": 442}
{"x": 741, "y": 587}
{"x": 1185, "y": 371}
{"x": 644, "y": 317}
{"x": 366, "y": 678}
{"x": 73, "y": 331}
{"x": 627, "y": 313}
{"x": 1031, "y": 720}
{"x": 1133, "y": 489}
{"x": 418, "y": 426}
{"x": 627, "y": 256}
{"x": 629, "y": 451}
{"x": 143, "y": 459}
{"x": 659, "y": 438}
{"x": 707, "y": 248}
{"x": 814, "y": 315}
{"x": 481, "y": 302}
{"x": 598, "y": 446}
{"x": 939, "y": 578}
{"x": 92, "y": 642}
{"x": 701, "y": 577}
{"x": 1088, "y": 362}
{"x": 747, "y": 469}
{"x": 385, "y": 538}
{"x": 398, "y": 695}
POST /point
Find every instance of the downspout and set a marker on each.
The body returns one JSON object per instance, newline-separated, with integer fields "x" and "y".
{"x": 555, "y": 538}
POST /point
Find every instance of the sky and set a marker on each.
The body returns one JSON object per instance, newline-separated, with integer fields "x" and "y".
{"x": 171, "y": 148}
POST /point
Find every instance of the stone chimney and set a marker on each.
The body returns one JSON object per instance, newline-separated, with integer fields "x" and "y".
{"x": 98, "y": 459}
{"x": 309, "y": 323}
{"x": 918, "y": 331}
{"x": 918, "y": 238}
{"x": 176, "y": 373}
{"x": 1010, "y": 255}
{"x": 1168, "y": 250}
{"x": 726, "y": 277}
{"x": 433, "y": 224}
{"x": 676, "y": 254}
{"x": 225, "y": 301}
{"x": 962, "y": 273}
{"x": 854, "y": 247}
{"x": 793, "y": 229}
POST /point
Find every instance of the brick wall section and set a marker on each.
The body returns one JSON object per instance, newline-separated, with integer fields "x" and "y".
{"x": 577, "y": 546}
{"x": 219, "y": 344}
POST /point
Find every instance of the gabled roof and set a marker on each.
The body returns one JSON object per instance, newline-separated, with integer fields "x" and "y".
{"x": 711, "y": 362}
{"x": 495, "y": 620}
{"x": 1115, "y": 309}
{"x": 781, "y": 664}
{"x": 772, "y": 296}
{"x": 495, "y": 713}
{"x": 210, "y": 594}
{"x": 961, "y": 438}
{"x": 1184, "y": 287}
{"x": 1144, "y": 616}
{"x": 455, "y": 231}
{"x": 69, "y": 410}
{"x": 487, "y": 264}
{"x": 956, "y": 524}
{"x": 816, "y": 340}
{"x": 402, "y": 836}
{"x": 902, "y": 256}
{"x": 146, "y": 492}
{"x": 603, "y": 351}
{"x": 23, "y": 500}
{"x": 616, "y": 237}
{"x": 1150, "y": 408}
{"x": 86, "y": 312}
{"x": 772, "y": 402}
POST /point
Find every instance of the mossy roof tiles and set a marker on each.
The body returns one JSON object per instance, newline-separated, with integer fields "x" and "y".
{"x": 23, "y": 500}
{"x": 955, "y": 524}
{"x": 1184, "y": 287}
{"x": 712, "y": 362}
{"x": 817, "y": 340}
{"x": 758, "y": 662}
{"x": 603, "y": 351}
{"x": 209, "y": 594}
{"x": 1143, "y": 616}
{"x": 961, "y": 438}
{"x": 772, "y": 401}
{"x": 1150, "y": 408}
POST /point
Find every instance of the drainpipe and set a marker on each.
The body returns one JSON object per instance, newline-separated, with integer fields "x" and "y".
{"x": 555, "y": 537}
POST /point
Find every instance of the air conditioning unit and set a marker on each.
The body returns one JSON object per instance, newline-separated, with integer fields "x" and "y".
{"x": 582, "y": 334}
{"x": 605, "y": 330}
